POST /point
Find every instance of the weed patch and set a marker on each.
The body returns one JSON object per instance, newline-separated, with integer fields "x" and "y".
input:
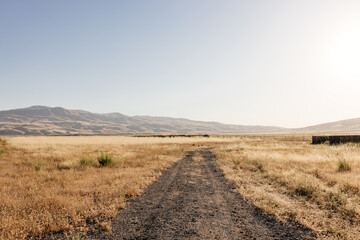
{"x": 67, "y": 165}
{"x": 305, "y": 188}
{"x": 38, "y": 164}
{"x": 344, "y": 166}
{"x": 87, "y": 161}
{"x": 335, "y": 200}
{"x": 105, "y": 160}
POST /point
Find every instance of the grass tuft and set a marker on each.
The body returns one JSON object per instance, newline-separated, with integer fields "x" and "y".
{"x": 344, "y": 166}
{"x": 305, "y": 188}
{"x": 38, "y": 164}
{"x": 105, "y": 160}
{"x": 106, "y": 226}
{"x": 335, "y": 200}
{"x": 2, "y": 141}
{"x": 2, "y": 145}
{"x": 87, "y": 161}
{"x": 67, "y": 165}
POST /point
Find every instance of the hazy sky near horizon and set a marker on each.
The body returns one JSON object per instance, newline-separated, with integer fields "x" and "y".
{"x": 284, "y": 63}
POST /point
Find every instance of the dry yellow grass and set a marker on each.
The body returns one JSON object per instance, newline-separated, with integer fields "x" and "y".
{"x": 51, "y": 184}
{"x": 54, "y": 184}
{"x": 289, "y": 177}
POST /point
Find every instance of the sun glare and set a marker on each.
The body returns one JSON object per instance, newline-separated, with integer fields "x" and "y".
{"x": 346, "y": 54}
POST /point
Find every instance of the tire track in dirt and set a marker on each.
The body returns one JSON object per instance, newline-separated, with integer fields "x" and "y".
{"x": 193, "y": 200}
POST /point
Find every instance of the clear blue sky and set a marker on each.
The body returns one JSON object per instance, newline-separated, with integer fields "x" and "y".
{"x": 283, "y": 63}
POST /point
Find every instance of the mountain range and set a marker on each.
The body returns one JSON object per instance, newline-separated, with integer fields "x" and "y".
{"x": 42, "y": 120}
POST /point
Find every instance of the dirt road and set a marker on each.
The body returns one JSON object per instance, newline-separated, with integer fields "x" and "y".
{"x": 193, "y": 200}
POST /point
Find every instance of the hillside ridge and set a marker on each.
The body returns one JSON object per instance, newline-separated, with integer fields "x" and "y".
{"x": 42, "y": 120}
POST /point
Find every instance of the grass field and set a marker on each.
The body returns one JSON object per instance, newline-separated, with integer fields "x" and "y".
{"x": 54, "y": 184}
{"x": 316, "y": 185}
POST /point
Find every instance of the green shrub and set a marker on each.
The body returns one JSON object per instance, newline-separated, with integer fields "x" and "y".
{"x": 105, "y": 159}
{"x": 38, "y": 164}
{"x": 87, "y": 161}
{"x": 344, "y": 166}
{"x": 2, "y": 151}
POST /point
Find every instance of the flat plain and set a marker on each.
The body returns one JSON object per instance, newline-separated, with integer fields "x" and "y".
{"x": 56, "y": 184}
{"x": 315, "y": 185}
{"x": 79, "y": 184}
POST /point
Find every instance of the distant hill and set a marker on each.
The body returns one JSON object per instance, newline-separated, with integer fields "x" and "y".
{"x": 41, "y": 120}
{"x": 344, "y": 126}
